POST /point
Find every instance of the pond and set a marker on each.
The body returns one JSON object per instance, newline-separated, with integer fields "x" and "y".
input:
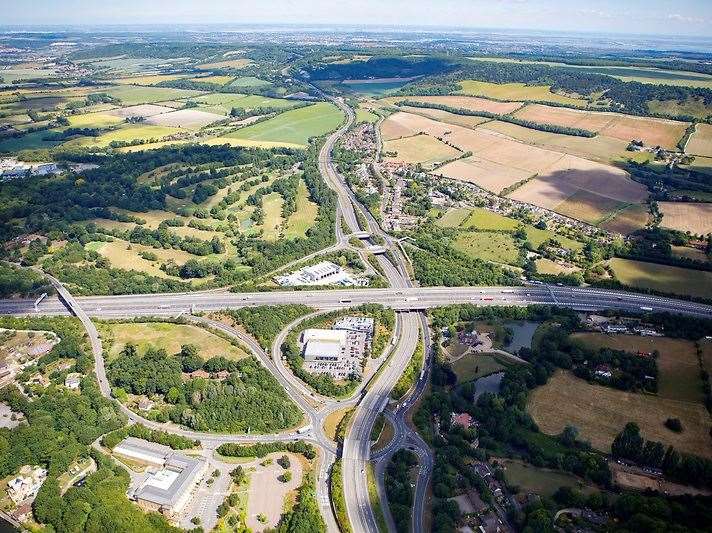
{"x": 522, "y": 335}
{"x": 488, "y": 384}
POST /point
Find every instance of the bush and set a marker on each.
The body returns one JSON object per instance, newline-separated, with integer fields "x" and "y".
{"x": 674, "y": 424}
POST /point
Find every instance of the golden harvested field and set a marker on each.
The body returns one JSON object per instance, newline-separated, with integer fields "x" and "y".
{"x": 149, "y": 80}
{"x": 142, "y": 110}
{"x": 652, "y": 131}
{"x": 687, "y": 216}
{"x": 486, "y": 174}
{"x": 517, "y": 92}
{"x": 185, "y": 118}
{"x": 125, "y": 255}
{"x": 94, "y": 120}
{"x": 664, "y": 278}
{"x": 170, "y": 337}
{"x": 570, "y": 175}
{"x": 128, "y": 133}
{"x": 466, "y": 102}
{"x": 231, "y": 63}
{"x": 678, "y": 369}
{"x": 589, "y": 206}
{"x": 700, "y": 142}
{"x": 628, "y": 220}
{"x": 448, "y": 118}
{"x": 420, "y": 149}
{"x": 600, "y": 413}
{"x": 599, "y": 148}
{"x": 402, "y": 124}
{"x": 547, "y": 266}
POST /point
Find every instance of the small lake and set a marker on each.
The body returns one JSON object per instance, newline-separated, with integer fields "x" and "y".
{"x": 488, "y": 384}
{"x": 522, "y": 335}
{"x": 374, "y": 87}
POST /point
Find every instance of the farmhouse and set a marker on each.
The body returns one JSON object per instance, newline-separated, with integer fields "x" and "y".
{"x": 462, "y": 419}
{"x": 73, "y": 380}
{"x": 170, "y": 482}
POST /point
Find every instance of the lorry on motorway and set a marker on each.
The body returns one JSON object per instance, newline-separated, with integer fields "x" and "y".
{"x": 507, "y": 291}
{"x": 345, "y": 301}
{"x": 644, "y": 308}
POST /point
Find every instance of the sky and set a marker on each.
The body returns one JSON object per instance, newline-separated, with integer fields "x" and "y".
{"x": 653, "y": 17}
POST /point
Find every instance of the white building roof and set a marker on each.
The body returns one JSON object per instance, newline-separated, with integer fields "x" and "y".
{"x": 321, "y": 270}
{"x": 325, "y": 335}
{"x": 321, "y": 349}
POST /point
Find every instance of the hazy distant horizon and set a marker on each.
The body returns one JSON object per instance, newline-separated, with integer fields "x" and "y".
{"x": 691, "y": 18}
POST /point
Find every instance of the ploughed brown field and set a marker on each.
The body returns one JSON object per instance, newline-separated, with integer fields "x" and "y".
{"x": 687, "y": 216}
{"x": 700, "y": 142}
{"x": 652, "y": 131}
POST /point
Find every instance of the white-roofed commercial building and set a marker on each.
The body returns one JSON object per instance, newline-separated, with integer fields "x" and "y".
{"x": 167, "y": 487}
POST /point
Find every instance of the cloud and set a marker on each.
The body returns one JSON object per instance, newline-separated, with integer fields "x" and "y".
{"x": 685, "y": 18}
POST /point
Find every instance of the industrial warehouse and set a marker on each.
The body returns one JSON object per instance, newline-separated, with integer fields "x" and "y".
{"x": 338, "y": 351}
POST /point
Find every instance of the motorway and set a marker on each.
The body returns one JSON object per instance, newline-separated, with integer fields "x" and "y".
{"x": 400, "y": 299}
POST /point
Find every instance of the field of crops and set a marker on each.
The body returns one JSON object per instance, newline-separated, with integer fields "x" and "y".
{"x": 292, "y": 128}
{"x": 664, "y": 278}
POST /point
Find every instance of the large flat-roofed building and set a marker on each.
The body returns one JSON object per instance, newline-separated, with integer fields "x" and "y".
{"x": 324, "y": 335}
{"x": 316, "y": 350}
{"x": 169, "y": 485}
{"x": 337, "y": 352}
{"x": 323, "y": 273}
{"x": 143, "y": 451}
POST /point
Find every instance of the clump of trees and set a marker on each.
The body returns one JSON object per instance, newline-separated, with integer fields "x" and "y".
{"x": 249, "y": 399}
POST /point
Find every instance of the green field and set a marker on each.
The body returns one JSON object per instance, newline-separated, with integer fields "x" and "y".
{"x": 542, "y": 481}
{"x": 224, "y": 102}
{"x": 482, "y": 219}
{"x": 304, "y": 217}
{"x": 364, "y": 115}
{"x": 487, "y": 220}
{"x": 169, "y": 337}
{"x": 30, "y": 141}
{"x": 453, "y": 217}
{"x": 293, "y": 127}
{"x": 669, "y": 279}
{"x": 489, "y": 246}
{"x": 474, "y": 366}
{"x": 94, "y": 120}
{"x": 133, "y": 95}
{"x": 249, "y": 81}
{"x": 518, "y": 92}
{"x": 139, "y": 132}
{"x": 272, "y": 205}
{"x": 623, "y": 73}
